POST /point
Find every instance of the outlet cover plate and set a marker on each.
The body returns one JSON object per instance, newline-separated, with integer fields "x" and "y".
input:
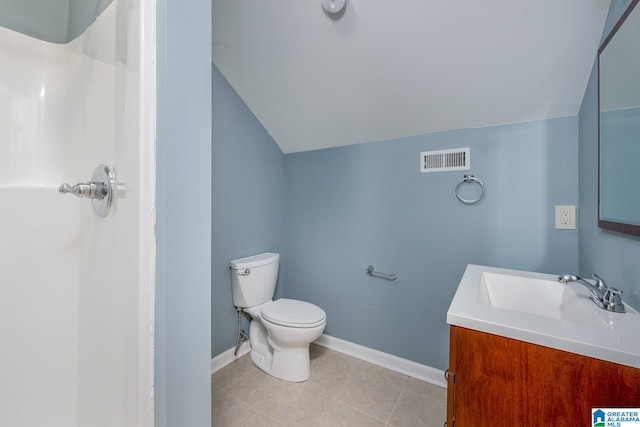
{"x": 565, "y": 217}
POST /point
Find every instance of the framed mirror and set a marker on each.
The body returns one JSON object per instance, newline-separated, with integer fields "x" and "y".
{"x": 619, "y": 126}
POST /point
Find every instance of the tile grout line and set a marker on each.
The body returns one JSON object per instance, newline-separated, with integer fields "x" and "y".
{"x": 395, "y": 405}
{"x": 359, "y": 368}
{"x": 373, "y": 377}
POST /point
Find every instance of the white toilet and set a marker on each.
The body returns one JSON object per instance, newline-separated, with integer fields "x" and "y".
{"x": 281, "y": 330}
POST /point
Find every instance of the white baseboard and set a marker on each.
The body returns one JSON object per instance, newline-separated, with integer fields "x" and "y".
{"x": 226, "y": 357}
{"x": 394, "y": 363}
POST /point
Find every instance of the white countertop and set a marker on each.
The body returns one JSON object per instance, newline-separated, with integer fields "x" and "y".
{"x": 614, "y": 337}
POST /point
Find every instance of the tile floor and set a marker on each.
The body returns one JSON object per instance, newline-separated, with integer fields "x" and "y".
{"x": 342, "y": 391}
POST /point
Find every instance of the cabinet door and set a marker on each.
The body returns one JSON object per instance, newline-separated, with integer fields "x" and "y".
{"x": 450, "y": 375}
{"x": 504, "y": 382}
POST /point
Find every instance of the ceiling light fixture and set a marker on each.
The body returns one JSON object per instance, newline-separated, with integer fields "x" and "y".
{"x": 333, "y": 6}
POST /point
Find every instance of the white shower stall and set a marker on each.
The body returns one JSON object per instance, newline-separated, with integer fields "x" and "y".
{"x": 76, "y": 289}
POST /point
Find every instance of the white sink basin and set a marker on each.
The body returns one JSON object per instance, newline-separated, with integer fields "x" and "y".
{"x": 536, "y": 308}
{"x": 541, "y": 297}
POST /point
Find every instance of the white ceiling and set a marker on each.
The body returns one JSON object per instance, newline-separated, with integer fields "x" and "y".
{"x": 388, "y": 69}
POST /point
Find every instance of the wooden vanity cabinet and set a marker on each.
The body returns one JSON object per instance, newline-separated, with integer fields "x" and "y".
{"x": 497, "y": 381}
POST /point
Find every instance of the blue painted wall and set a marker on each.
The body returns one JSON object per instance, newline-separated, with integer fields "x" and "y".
{"x": 248, "y": 201}
{"x": 47, "y": 20}
{"x": 83, "y": 13}
{"x": 183, "y": 203}
{"x": 352, "y": 206}
{"x": 56, "y": 21}
{"x": 612, "y": 255}
{"x": 332, "y": 212}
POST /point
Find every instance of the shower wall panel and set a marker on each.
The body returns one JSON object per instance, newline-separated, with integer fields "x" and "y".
{"x": 70, "y": 293}
{"x": 38, "y": 304}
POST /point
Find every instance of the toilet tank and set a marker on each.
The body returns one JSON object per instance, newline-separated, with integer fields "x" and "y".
{"x": 253, "y": 279}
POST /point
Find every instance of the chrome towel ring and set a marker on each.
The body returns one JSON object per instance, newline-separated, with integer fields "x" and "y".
{"x": 470, "y": 179}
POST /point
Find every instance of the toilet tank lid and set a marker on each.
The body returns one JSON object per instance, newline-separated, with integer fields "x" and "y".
{"x": 254, "y": 261}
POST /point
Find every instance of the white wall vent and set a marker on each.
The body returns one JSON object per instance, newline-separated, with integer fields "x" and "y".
{"x": 458, "y": 159}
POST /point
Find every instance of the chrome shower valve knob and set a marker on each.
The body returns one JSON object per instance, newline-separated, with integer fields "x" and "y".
{"x": 103, "y": 190}
{"x": 88, "y": 190}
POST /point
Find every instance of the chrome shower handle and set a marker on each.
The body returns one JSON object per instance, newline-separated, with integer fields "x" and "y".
{"x": 103, "y": 190}
{"x": 88, "y": 190}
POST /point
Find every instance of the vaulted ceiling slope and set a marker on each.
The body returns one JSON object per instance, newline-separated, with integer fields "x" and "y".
{"x": 388, "y": 69}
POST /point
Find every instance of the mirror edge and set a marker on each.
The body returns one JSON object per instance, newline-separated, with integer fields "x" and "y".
{"x": 619, "y": 227}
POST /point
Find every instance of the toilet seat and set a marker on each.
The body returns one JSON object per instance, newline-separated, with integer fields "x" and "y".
{"x": 293, "y": 313}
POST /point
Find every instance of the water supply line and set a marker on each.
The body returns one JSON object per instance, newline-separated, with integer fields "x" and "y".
{"x": 242, "y": 335}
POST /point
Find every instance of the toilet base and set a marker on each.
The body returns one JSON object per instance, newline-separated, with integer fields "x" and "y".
{"x": 290, "y": 363}
{"x": 261, "y": 352}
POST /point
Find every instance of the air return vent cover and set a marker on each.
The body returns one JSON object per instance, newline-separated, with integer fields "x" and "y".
{"x": 458, "y": 159}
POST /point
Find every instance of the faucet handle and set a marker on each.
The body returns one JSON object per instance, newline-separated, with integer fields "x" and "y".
{"x": 600, "y": 283}
{"x": 613, "y": 300}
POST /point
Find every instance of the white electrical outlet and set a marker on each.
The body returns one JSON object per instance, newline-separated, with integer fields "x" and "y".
{"x": 566, "y": 217}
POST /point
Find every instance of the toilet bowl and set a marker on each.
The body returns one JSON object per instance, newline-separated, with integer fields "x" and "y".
{"x": 280, "y": 331}
{"x": 280, "y": 341}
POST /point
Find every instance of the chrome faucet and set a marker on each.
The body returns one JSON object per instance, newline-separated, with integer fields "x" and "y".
{"x": 603, "y": 296}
